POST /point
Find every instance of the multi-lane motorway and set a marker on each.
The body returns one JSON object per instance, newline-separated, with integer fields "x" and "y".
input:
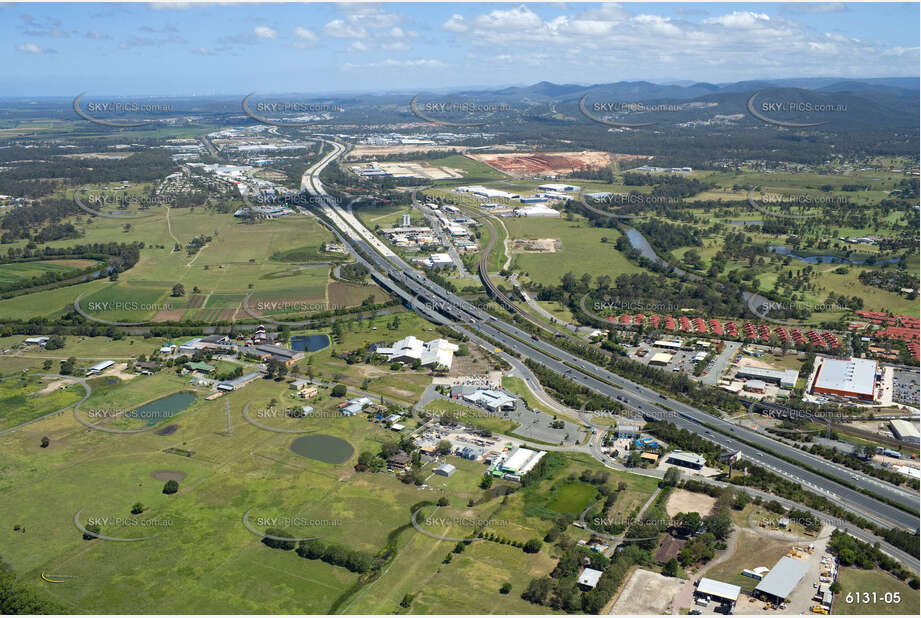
{"x": 437, "y": 304}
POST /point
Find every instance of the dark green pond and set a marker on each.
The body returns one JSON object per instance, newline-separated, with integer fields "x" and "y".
{"x": 328, "y": 449}
{"x": 165, "y": 407}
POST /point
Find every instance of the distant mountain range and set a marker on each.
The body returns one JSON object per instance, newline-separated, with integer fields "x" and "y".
{"x": 647, "y": 91}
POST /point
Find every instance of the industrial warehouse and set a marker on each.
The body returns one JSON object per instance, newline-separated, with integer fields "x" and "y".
{"x": 853, "y": 379}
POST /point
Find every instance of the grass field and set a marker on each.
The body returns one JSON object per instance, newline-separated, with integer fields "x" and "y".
{"x": 23, "y": 399}
{"x": 572, "y": 498}
{"x": 201, "y": 545}
{"x": 858, "y": 581}
{"x": 581, "y": 250}
{"x": 17, "y": 271}
{"x": 238, "y": 260}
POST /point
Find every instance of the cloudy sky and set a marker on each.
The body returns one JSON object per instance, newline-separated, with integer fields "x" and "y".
{"x": 223, "y": 48}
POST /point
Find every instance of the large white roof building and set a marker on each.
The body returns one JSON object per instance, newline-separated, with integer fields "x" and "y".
{"x": 521, "y": 461}
{"x": 408, "y": 349}
{"x": 854, "y": 378}
{"x": 537, "y": 210}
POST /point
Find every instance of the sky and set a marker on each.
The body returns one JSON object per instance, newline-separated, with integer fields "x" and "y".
{"x": 225, "y": 48}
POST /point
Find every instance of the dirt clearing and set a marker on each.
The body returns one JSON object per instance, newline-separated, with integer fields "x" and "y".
{"x": 647, "y": 593}
{"x": 683, "y": 501}
{"x": 536, "y": 245}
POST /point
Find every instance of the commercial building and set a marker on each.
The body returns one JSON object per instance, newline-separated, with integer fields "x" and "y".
{"x": 626, "y": 430}
{"x": 558, "y": 187}
{"x": 267, "y": 351}
{"x": 36, "y": 340}
{"x": 785, "y": 378}
{"x": 438, "y": 260}
{"x": 236, "y": 383}
{"x": 854, "y": 378}
{"x": 779, "y": 583}
{"x": 489, "y": 193}
{"x": 409, "y": 349}
{"x": 537, "y": 210}
{"x": 726, "y": 594}
{"x": 755, "y": 386}
{"x": 661, "y": 358}
{"x": 674, "y": 344}
{"x": 904, "y": 431}
{"x": 521, "y": 461}
{"x": 589, "y": 578}
{"x": 99, "y": 367}
{"x": 492, "y": 400}
{"x": 686, "y": 460}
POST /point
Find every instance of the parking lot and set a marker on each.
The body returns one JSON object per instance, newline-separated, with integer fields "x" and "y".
{"x": 905, "y": 387}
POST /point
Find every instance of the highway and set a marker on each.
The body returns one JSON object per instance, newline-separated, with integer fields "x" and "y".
{"x": 429, "y": 299}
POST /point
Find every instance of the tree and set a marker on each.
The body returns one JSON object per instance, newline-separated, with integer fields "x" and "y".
{"x": 339, "y": 390}
{"x": 137, "y": 508}
{"x": 671, "y": 568}
{"x": 366, "y": 459}
{"x": 532, "y": 546}
{"x": 277, "y": 543}
{"x": 91, "y": 530}
{"x": 443, "y": 447}
{"x": 45, "y": 441}
{"x": 506, "y": 588}
{"x": 835, "y": 587}
{"x": 538, "y": 590}
{"x": 178, "y": 290}
{"x": 171, "y": 487}
{"x": 671, "y": 478}
{"x": 486, "y": 481}
{"x": 740, "y": 500}
{"x": 442, "y": 501}
{"x": 720, "y": 524}
{"x": 689, "y": 523}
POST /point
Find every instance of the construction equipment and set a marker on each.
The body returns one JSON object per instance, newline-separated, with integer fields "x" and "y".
{"x": 818, "y": 609}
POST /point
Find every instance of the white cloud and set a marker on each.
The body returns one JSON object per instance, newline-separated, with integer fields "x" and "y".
{"x": 32, "y": 48}
{"x": 610, "y": 43}
{"x": 455, "y": 23}
{"x": 341, "y": 30}
{"x": 358, "y": 46}
{"x": 264, "y": 32}
{"x": 398, "y": 64}
{"x": 305, "y": 34}
{"x": 740, "y": 19}
{"x": 517, "y": 19}
{"x": 395, "y": 46}
{"x": 804, "y": 7}
{"x": 369, "y": 15}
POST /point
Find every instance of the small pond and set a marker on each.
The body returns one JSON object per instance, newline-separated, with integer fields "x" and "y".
{"x": 165, "y": 407}
{"x": 321, "y": 447}
{"x": 309, "y": 343}
{"x": 826, "y": 259}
